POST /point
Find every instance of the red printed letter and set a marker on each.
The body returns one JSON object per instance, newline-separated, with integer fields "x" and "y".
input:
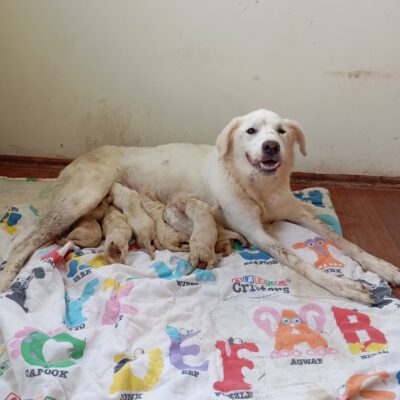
{"x": 232, "y": 366}
{"x": 358, "y": 332}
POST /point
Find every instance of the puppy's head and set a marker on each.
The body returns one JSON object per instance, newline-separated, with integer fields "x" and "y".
{"x": 261, "y": 142}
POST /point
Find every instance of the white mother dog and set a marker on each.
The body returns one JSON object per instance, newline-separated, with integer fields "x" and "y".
{"x": 247, "y": 174}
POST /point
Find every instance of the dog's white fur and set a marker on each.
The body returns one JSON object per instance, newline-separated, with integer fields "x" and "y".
{"x": 227, "y": 175}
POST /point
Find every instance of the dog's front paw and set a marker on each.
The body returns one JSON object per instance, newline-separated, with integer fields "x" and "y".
{"x": 352, "y": 290}
{"x": 384, "y": 269}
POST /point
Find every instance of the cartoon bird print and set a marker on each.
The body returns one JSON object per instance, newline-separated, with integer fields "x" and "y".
{"x": 10, "y": 219}
{"x": 293, "y": 330}
{"x": 320, "y": 247}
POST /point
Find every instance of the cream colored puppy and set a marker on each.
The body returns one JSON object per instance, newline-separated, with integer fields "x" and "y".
{"x": 247, "y": 174}
{"x": 204, "y": 233}
{"x": 142, "y": 225}
{"x": 167, "y": 237}
{"x": 117, "y": 235}
{"x": 86, "y": 232}
{"x": 181, "y": 223}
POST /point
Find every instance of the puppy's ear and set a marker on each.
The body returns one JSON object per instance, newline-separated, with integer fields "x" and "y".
{"x": 225, "y": 137}
{"x": 299, "y": 135}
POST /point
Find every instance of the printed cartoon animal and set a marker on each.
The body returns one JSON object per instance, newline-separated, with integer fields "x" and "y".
{"x": 247, "y": 175}
{"x": 252, "y": 253}
{"x": 314, "y": 197}
{"x": 20, "y": 286}
{"x": 10, "y": 219}
{"x": 4, "y": 361}
{"x": 124, "y": 380}
{"x": 362, "y": 386}
{"x": 183, "y": 267}
{"x": 177, "y": 350}
{"x": 113, "y": 307}
{"x": 320, "y": 247}
{"x": 233, "y": 378}
{"x": 292, "y": 328}
{"x": 75, "y": 265}
{"x": 74, "y": 307}
{"x": 30, "y": 343}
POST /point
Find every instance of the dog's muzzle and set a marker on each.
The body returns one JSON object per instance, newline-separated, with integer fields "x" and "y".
{"x": 267, "y": 165}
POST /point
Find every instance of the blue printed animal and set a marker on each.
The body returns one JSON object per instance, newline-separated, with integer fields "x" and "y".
{"x": 10, "y": 219}
{"x": 332, "y": 222}
{"x": 75, "y": 267}
{"x": 164, "y": 271}
{"x": 74, "y": 307}
{"x": 251, "y": 253}
{"x": 314, "y": 197}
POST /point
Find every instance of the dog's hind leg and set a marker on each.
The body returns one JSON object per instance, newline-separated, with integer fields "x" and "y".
{"x": 368, "y": 262}
{"x": 75, "y": 195}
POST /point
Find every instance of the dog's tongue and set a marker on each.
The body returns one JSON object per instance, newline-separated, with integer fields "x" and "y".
{"x": 269, "y": 165}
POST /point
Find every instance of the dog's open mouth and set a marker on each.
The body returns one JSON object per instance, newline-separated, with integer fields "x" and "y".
{"x": 267, "y": 165}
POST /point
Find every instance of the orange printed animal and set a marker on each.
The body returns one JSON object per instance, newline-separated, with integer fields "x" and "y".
{"x": 292, "y": 330}
{"x": 359, "y": 386}
{"x": 320, "y": 247}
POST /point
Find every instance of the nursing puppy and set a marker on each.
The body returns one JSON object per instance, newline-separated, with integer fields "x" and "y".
{"x": 87, "y": 231}
{"x": 246, "y": 174}
{"x": 117, "y": 235}
{"x": 204, "y": 234}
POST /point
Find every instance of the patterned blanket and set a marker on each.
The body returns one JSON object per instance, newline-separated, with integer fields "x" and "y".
{"x": 73, "y": 327}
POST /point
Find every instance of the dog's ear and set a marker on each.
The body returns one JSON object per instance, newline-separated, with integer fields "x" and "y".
{"x": 224, "y": 138}
{"x": 299, "y": 135}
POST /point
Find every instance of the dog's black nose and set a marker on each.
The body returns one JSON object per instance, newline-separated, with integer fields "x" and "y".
{"x": 271, "y": 148}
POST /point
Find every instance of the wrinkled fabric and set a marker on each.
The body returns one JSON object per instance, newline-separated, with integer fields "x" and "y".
{"x": 73, "y": 327}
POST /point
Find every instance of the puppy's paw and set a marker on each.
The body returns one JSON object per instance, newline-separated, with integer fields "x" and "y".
{"x": 147, "y": 239}
{"x": 202, "y": 255}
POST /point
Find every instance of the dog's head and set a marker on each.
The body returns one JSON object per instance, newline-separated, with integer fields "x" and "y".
{"x": 260, "y": 142}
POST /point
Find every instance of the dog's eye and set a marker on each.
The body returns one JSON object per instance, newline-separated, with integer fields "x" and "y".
{"x": 281, "y": 131}
{"x": 251, "y": 131}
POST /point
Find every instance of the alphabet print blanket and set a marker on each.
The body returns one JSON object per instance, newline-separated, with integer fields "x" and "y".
{"x": 73, "y": 327}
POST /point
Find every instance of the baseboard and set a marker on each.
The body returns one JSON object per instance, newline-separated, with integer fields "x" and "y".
{"x": 45, "y": 167}
{"x": 347, "y": 180}
{"x": 31, "y": 167}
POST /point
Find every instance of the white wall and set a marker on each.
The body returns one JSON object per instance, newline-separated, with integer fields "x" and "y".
{"x": 78, "y": 74}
